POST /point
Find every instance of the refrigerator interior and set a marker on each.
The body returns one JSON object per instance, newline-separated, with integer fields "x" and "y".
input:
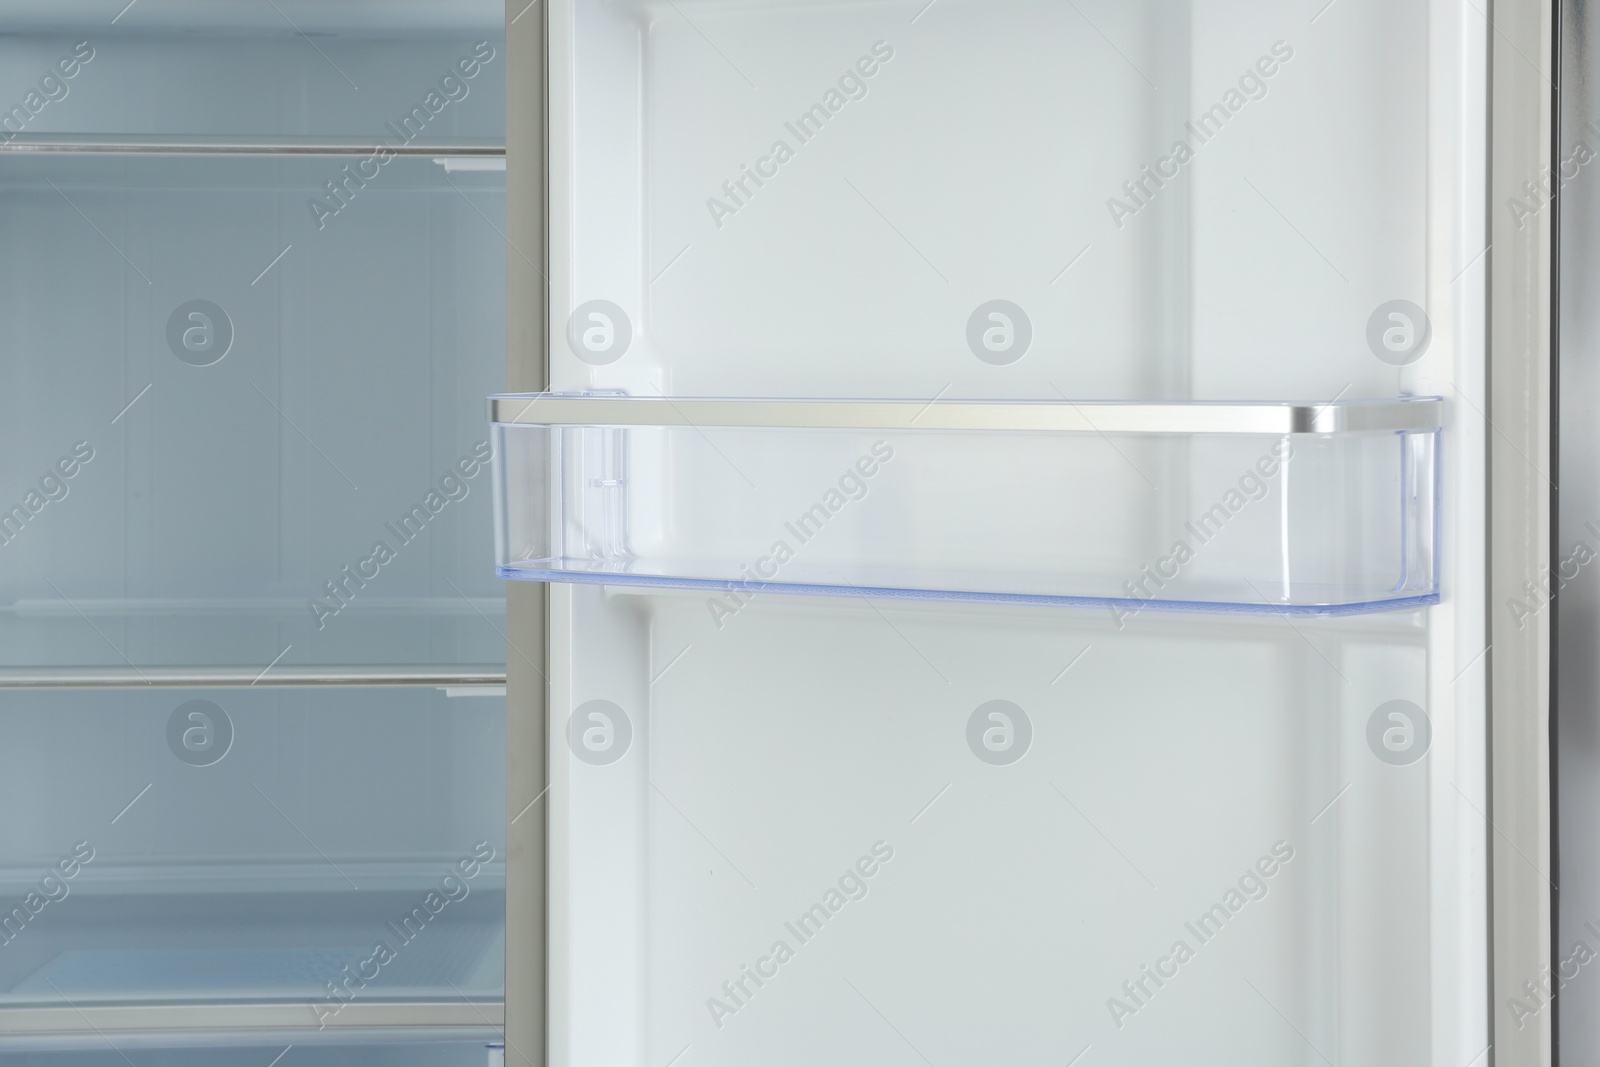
{"x": 229, "y": 379}
{"x": 256, "y": 368}
{"x": 793, "y": 829}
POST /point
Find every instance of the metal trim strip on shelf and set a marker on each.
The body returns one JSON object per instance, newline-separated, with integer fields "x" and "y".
{"x": 1419, "y": 415}
{"x": 246, "y": 677}
{"x": 147, "y": 1025}
{"x": 201, "y": 146}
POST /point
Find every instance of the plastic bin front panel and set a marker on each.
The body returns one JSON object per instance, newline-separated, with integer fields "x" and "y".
{"x": 1302, "y": 523}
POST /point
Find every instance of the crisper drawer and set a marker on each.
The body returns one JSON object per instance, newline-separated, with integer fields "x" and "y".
{"x": 322, "y": 850}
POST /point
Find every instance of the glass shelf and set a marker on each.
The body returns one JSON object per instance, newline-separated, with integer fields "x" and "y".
{"x": 181, "y": 1046}
{"x": 138, "y": 77}
{"x": 174, "y": 145}
{"x": 245, "y": 846}
{"x": 455, "y": 679}
{"x": 1320, "y": 509}
{"x": 295, "y": 175}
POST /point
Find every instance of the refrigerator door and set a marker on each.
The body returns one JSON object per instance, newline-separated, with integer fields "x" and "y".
{"x": 886, "y": 822}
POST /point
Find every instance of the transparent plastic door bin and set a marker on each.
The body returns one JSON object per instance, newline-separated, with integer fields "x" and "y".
{"x": 1251, "y": 507}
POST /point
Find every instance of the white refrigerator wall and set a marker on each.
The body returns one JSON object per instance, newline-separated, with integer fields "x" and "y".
{"x": 1035, "y": 909}
{"x": 1247, "y": 276}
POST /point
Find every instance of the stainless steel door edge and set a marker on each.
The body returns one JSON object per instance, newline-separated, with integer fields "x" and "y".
{"x": 1521, "y": 498}
{"x": 1564, "y": 988}
{"x": 527, "y": 369}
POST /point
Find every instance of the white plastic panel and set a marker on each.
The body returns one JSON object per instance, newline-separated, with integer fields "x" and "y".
{"x": 1138, "y": 777}
{"x": 980, "y": 165}
{"x": 764, "y": 758}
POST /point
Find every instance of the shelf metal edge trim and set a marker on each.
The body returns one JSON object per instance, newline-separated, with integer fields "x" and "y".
{"x": 1419, "y": 415}
{"x": 20, "y": 1022}
{"x": 201, "y": 147}
{"x": 246, "y": 677}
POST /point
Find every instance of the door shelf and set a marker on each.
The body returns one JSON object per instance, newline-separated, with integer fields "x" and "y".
{"x": 1266, "y": 507}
